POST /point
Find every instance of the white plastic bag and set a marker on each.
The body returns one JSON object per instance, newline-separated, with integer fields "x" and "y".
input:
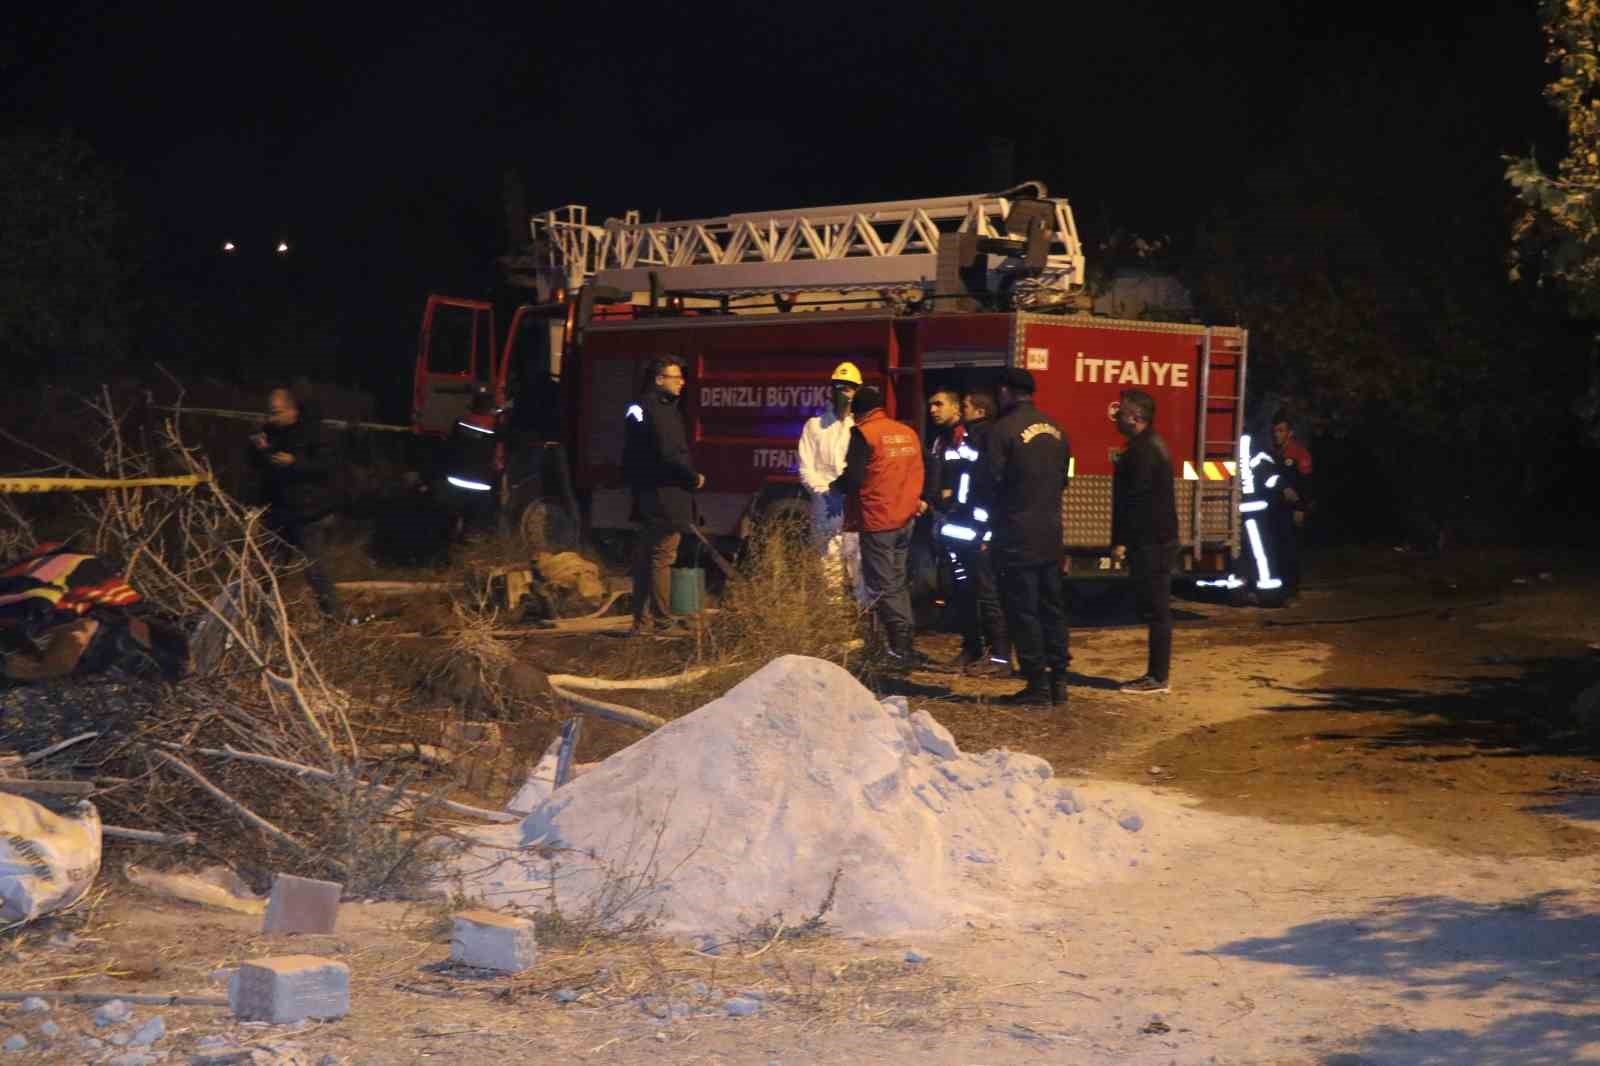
{"x": 47, "y": 860}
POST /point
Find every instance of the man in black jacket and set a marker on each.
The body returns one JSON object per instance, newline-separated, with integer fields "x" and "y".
{"x": 1144, "y": 529}
{"x": 660, "y": 471}
{"x": 293, "y": 463}
{"x": 1025, "y": 472}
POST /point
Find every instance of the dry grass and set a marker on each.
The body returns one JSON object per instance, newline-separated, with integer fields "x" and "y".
{"x": 808, "y": 984}
{"x": 780, "y": 602}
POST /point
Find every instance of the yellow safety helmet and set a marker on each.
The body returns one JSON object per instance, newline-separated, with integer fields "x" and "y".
{"x": 847, "y": 372}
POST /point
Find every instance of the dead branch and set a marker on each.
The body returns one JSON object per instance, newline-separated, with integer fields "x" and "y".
{"x": 46, "y": 788}
{"x": 29, "y": 760}
{"x": 151, "y": 999}
{"x": 238, "y": 808}
{"x": 614, "y": 712}
{"x": 323, "y": 775}
{"x": 144, "y": 836}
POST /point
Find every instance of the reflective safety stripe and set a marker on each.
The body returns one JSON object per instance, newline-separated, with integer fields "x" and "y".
{"x": 476, "y": 429}
{"x": 1264, "y": 579}
{"x": 961, "y": 489}
{"x": 1232, "y": 468}
{"x": 1188, "y": 471}
{"x": 964, "y": 452}
{"x": 1252, "y": 505}
{"x": 1272, "y": 482}
{"x": 987, "y": 537}
{"x": 1213, "y": 471}
{"x": 951, "y": 455}
{"x": 955, "y": 532}
{"x": 980, "y": 514}
{"x": 469, "y": 485}
{"x": 635, "y": 412}
{"x": 1229, "y": 582}
{"x": 1072, "y": 466}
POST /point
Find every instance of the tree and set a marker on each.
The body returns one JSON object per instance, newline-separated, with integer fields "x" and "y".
{"x": 63, "y": 277}
{"x": 1557, "y": 235}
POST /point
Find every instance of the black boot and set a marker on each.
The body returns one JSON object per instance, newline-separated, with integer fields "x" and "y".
{"x": 1035, "y": 694}
{"x": 1058, "y": 688}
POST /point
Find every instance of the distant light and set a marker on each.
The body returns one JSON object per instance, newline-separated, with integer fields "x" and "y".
{"x": 283, "y": 247}
{"x": 229, "y": 247}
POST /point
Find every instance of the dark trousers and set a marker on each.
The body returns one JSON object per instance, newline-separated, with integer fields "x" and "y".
{"x": 1286, "y": 548}
{"x": 883, "y": 573}
{"x": 977, "y": 601}
{"x": 1150, "y": 566}
{"x": 653, "y": 557}
{"x": 1036, "y": 614}
{"x": 309, "y": 538}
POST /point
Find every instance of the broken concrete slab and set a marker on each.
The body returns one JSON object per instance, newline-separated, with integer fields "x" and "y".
{"x": 302, "y": 905}
{"x": 290, "y": 988}
{"x": 491, "y": 941}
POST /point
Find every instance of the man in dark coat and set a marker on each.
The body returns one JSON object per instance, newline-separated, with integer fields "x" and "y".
{"x": 294, "y": 466}
{"x": 1144, "y": 529}
{"x": 1025, "y": 464}
{"x": 661, "y": 473}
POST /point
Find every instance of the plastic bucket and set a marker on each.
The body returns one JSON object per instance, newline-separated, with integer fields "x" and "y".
{"x": 688, "y": 590}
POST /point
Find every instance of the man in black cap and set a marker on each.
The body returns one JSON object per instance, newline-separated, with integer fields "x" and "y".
{"x": 1025, "y": 469}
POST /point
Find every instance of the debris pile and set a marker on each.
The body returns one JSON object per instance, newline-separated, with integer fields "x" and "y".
{"x": 799, "y": 798}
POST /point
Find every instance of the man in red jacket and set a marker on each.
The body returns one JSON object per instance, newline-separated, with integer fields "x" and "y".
{"x": 882, "y": 485}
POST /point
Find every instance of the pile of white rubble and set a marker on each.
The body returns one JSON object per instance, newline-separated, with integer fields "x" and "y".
{"x": 796, "y": 780}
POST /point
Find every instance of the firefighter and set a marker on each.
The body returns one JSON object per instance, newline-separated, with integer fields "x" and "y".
{"x": 1024, "y": 472}
{"x": 1144, "y": 530}
{"x": 882, "y": 489}
{"x": 292, "y": 460}
{"x": 660, "y": 472}
{"x": 927, "y": 555}
{"x": 476, "y": 460}
{"x": 961, "y": 529}
{"x": 824, "y": 444}
{"x": 1293, "y": 501}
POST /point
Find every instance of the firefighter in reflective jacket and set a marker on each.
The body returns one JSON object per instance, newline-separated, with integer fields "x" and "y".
{"x": 963, "y": 531}
{"x": 477, "y": 459}
{"x": 1025, "y": 465}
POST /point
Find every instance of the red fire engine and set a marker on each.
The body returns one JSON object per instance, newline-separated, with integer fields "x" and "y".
{"x": 920, "y": 294}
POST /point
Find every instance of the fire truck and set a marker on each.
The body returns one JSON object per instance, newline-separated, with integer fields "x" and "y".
{"x": 921, "y": 295}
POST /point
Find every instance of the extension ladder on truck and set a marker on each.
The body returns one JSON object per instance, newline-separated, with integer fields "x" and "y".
{"x": 869, "y": 246}
{"x": 1217, "y": 430}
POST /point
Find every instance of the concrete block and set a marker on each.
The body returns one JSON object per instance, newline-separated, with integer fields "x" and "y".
{"x": 492, "y": 941}
{"x": 290, "y": 988}
{"x": 302, "y": 905}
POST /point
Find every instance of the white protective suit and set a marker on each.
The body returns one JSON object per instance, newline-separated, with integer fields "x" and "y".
{"x": 823, "y": 445}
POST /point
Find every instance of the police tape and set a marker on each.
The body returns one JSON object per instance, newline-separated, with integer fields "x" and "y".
{"x": 97, "y": 484}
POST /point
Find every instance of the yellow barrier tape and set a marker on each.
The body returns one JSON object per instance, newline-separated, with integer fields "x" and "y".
{"x": 96, "y": 484}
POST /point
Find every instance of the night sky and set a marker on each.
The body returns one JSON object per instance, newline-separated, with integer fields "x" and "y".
{"x": 374, "y": 139}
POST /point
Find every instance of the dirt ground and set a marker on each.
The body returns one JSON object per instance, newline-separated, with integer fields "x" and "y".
{"x": 1370, "y": 821}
